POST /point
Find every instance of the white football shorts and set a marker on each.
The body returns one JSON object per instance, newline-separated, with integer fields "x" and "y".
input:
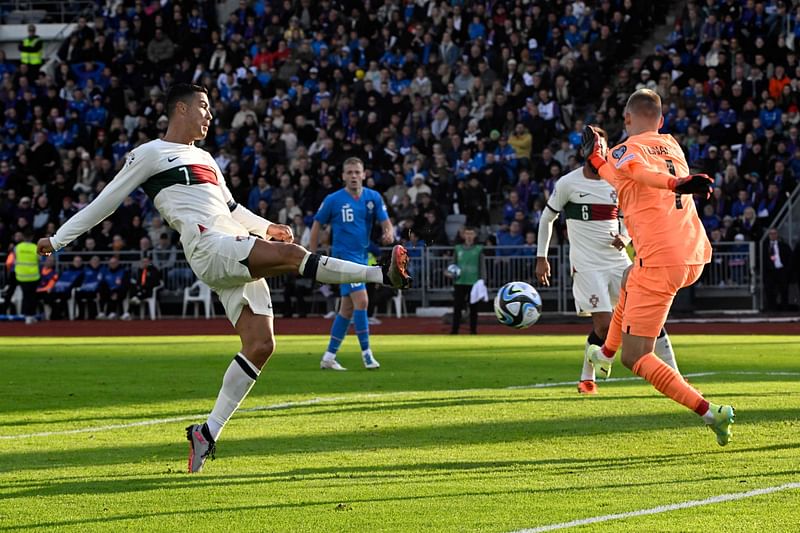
{"x": 217, "y": 261}
{"x": 596, "y": 291}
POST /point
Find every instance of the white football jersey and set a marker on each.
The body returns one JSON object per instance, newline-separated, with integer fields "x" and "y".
{"x": 186, "y": 186}
{"x": 592, "y": 213}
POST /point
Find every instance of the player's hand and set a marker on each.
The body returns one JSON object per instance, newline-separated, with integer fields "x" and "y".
{"x": 543, "y": 271}
{"x": 280, "y": 232}
{"x": 387, "y": 238}
{"x": 44, "y": 246}
{"x": 594, "y": 148}
{"x": 620, "y": 241}
{"x": 700, "y": 184}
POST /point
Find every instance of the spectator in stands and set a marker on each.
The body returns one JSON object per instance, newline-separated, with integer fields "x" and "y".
{"x": 510, "y": 240}
{"x": 114, "y": 290}
{"x": 61, "y": 294}
{"x": 777, "y": 257}
{"x": 769, "y": 206}
{"x": 513, "y": 205}
{"x": 87, "y": 294}
{"x": 431, "y": 230}
{"x": 147, "y": 279}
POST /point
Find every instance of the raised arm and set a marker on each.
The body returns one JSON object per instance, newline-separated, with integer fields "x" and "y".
{"x": 133, "y": 174}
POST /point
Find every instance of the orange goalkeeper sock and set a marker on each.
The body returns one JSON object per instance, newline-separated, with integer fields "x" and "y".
{"x": 614, "y": 336}
{"x": 669, "y": 383}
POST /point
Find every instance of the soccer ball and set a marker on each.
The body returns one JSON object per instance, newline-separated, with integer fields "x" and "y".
{"x": 453, "y": 271}
{"x": 517, "y": 305}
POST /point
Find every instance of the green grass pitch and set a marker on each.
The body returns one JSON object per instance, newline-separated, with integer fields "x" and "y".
{"x": 445, "y": 437}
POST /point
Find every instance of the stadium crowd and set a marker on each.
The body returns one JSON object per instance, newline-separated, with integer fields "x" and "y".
{"x": 471, "y": 108}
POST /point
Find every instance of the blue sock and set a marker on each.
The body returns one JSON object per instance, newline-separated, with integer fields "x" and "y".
{"x": 361, "y": 323}
{"x": 338, "y": 332}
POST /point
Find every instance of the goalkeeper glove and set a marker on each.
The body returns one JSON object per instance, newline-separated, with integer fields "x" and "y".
{"x": 594, "y": 149}
{"x": 700, "y": 184}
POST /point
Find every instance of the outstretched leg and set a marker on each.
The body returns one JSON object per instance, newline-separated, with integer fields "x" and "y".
{"x": 271, "y": 258}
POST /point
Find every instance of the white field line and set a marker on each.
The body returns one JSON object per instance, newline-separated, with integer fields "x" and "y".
{"x": 664, "y": 508}
{"x": 332, "y": 399}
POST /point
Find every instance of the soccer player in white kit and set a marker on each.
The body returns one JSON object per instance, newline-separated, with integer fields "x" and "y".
{"x": 227, "y": 246}
{"x": 597, "y": 256}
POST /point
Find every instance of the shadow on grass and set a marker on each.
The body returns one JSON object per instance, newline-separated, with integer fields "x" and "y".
{"x": 366, "y": 475}
{"x": 375, "y": 438}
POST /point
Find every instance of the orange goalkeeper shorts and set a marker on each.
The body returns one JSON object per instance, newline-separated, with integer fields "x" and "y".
{"x": 650, "y": 291}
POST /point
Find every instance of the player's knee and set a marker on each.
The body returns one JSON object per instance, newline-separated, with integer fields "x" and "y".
{"x": 261, "y": 350}
{"x": 296, "y": 253}
{"x": 629, "y": 359}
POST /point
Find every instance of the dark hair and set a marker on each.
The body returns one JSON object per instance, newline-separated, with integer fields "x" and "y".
{"x": 182, "y": 92}
{"x": 601, "y": 132}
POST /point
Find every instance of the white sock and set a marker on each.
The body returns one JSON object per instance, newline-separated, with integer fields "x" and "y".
{"x": 332, "y": 270}
{"x": 329, "y": 356}
{"x": 367, "y": 351}
{"x": 237, "y": 382}
{"x": 708, "y": 417}
{"x": 663, "y": 349}
{"x": 587, "y": 374}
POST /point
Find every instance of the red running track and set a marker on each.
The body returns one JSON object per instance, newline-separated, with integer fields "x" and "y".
{"x": 392, "y": 326}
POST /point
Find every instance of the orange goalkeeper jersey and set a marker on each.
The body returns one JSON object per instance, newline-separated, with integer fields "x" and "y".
{"x": 664, "y": 225}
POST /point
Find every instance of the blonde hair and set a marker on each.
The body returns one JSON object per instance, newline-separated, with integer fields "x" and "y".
{"x": 645, "y": 103}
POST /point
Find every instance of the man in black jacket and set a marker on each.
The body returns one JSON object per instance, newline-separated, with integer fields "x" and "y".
{"x": 777, "y": 272}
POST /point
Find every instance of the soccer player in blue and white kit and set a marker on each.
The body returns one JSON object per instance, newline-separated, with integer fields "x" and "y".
{"x": 351, "y": 212}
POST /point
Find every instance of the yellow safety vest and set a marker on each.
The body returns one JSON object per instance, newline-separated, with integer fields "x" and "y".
{"x": 31, "y": 58}
{"x": 26, "y": 267}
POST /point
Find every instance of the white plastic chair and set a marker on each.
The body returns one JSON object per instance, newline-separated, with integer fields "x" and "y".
{"x": 153, "y": 306}
{"x": 16, "y": 299}
{"x": 199, "y": 292}
{"x": 399, "y": 304}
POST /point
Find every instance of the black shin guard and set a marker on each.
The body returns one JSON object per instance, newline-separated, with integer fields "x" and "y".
{"x": 312, "y": 264}
{"x": 595, "y": 339}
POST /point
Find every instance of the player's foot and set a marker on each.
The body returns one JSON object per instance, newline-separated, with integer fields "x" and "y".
{"x": 101, "y": 316}
{"x": 587, "y": 387}
{"x": 329, "y": 315}
{"x": 374, "y": 321}
{"x": 201, "y": 446}
{"x": 370, "y": 363}
{"x": 331, "y": 364}
{"x": 395, "y": 271}
{"x": 724, "y": 416}
{"x": 601, "y": 363}
{"x": 126, "y": 316}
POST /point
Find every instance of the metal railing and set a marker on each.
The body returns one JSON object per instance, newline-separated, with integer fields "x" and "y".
{"x": 41, "y": 11}
{"x": 729, "y": 282}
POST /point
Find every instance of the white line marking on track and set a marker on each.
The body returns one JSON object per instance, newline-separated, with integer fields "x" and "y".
{"x": 330, "y": 399}
{"x": 663, "y": 508}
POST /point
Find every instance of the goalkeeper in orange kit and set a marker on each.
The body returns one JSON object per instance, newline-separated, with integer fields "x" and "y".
{"x": 655, "y": 191}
